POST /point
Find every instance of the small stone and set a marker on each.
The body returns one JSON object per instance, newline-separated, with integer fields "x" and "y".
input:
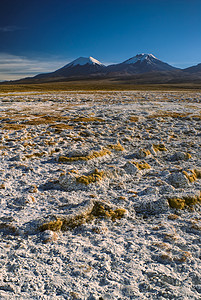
{"x": 178, "y": 180}
{"x": 152, "y": 207}
{"x": 33, "y": 189}
{"x": 130, "y": 168}
{"x": 2, "y": 186}
{"x": 166, "y": 189}
{"x": 180, "y": 156}
{"x": 149, "y": 190}
{"x": 142, "y": 153}
{"x": 49, "y": 236}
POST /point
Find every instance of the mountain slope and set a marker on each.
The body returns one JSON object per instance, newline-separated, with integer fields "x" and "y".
{"x": 79, "y": 67}
{"x": 193, "y": 69}
{"x": 141, "y": 63}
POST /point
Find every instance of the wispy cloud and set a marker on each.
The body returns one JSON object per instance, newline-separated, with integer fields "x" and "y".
{"x": 14, "y": 67}
{"x": 10, "y": 28}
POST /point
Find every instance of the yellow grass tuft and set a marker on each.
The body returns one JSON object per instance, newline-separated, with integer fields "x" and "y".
{"x": 181, "y": 203}
{"x": 159, "y": 147}
{"x": 61, "y": 126}
{"x": 166, "y": 257}
{"x": 75, "y": 221}
{"x": 38, "y": 121}
{"x": 192, "y": 199}
{"x": 2, "y": 186}
{"x": 188, "y": 156}
{"x": 88, "y": 119}
{"x": 14, "y": 126}
{"x": 99, "y": 210}
{"x": 134, "y": 119}
{"x": 91, "y": 178}
{"x": 94, "y": 154}
{"x": 173, "y": 217}
{"x": 197, "y": 173}
{"x": 161, "y": 245}
{"x": 117, "y": 147}
{"x": 11, "y": 229}
{"x": 35, "y": 154}
{"x": 184, "y": 256}
{"x": 52, "y": 225}
{"x": 196, "y": 227}
{"x": 142, "y": 166}
{"x": 193, "y": 176}
{"x": 176, "y": 203}
{"x": 166, "y": 114}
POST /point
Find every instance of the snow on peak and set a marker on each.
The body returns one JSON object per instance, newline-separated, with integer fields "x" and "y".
{"x": 140, "y": 57}
{"x": 85, "y": 60}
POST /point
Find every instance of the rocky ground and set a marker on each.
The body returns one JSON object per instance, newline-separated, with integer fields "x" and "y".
{"x": 100, "y": 195}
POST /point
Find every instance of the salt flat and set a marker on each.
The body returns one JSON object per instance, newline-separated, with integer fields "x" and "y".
{"x": 100, "y": 195}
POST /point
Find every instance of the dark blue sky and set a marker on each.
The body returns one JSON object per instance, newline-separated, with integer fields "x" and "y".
{"x": 43, "y": 35}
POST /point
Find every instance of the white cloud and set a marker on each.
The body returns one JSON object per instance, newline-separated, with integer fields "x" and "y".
{"x": 10, "y": 28}
{"x": 14, "y": 67}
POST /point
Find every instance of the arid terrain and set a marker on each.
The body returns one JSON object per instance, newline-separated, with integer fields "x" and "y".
{"x": 100, "y": 195}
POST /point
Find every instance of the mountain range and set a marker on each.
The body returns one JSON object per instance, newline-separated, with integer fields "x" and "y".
{"x": 139, "y": 64}
{"x": 142, "y": 68}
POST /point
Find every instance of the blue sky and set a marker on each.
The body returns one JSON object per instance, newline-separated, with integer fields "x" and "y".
{"x": 42, "y": 35}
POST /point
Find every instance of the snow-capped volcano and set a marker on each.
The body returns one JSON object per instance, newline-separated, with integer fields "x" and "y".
{"x": 82, "y": 66}
{"x": 79, "y": 67}
{"x": 84, "y": 61}
{"x": 139, "y": 64}
{"x": 140, "y": 58}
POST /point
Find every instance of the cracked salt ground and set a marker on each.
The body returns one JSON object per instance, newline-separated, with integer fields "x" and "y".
{"x": 100, "y": 195}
